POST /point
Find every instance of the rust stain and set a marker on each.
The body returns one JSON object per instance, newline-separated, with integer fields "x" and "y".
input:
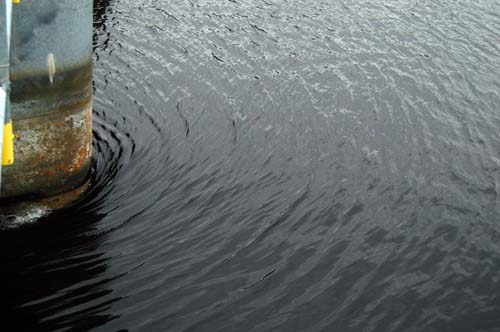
{"x": 38, "y": 158}
{"x": 51, "y": 156}
{"x": 63, "y": 168}
{"x": 80, "y": 160}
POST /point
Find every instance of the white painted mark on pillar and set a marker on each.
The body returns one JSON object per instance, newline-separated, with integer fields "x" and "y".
{"x": 52, "y": 67}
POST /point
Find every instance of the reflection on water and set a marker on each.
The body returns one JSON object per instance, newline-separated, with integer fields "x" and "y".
{"x": 278, "y": 166}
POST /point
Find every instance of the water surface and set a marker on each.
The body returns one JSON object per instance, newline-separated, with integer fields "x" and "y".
{"x": 275, "y": 165}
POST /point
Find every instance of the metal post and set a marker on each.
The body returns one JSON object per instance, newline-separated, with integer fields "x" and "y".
{"x": 5, "y": 39}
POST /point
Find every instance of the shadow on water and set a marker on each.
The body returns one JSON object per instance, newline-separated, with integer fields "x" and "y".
{"x": 101, "y": 11}
{"x": 52, "y": 265}
{"x": 101, "y": 8}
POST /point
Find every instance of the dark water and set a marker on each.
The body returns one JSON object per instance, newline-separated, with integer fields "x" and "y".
{"x": 277, "y": 165}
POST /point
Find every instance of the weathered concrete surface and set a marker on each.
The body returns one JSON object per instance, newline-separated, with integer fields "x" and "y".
{"x": 11, "y": 207}
{"x": 53, "y": 151}
{"x": 51, "y": 98}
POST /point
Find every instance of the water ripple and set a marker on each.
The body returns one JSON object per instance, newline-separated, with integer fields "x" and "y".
{"x": 278, "y": 166}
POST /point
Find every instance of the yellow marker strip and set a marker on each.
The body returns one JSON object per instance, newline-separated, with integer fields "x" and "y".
{"x": 8, "y": 145}
{"x": 8, "y": 135}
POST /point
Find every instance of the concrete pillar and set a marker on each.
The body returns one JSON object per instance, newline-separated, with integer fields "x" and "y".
{"x": 51, "y": 97}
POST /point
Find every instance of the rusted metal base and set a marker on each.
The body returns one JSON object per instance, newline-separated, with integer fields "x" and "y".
{"x": 17, "y": 207}
{"x": 52, "y": 148}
